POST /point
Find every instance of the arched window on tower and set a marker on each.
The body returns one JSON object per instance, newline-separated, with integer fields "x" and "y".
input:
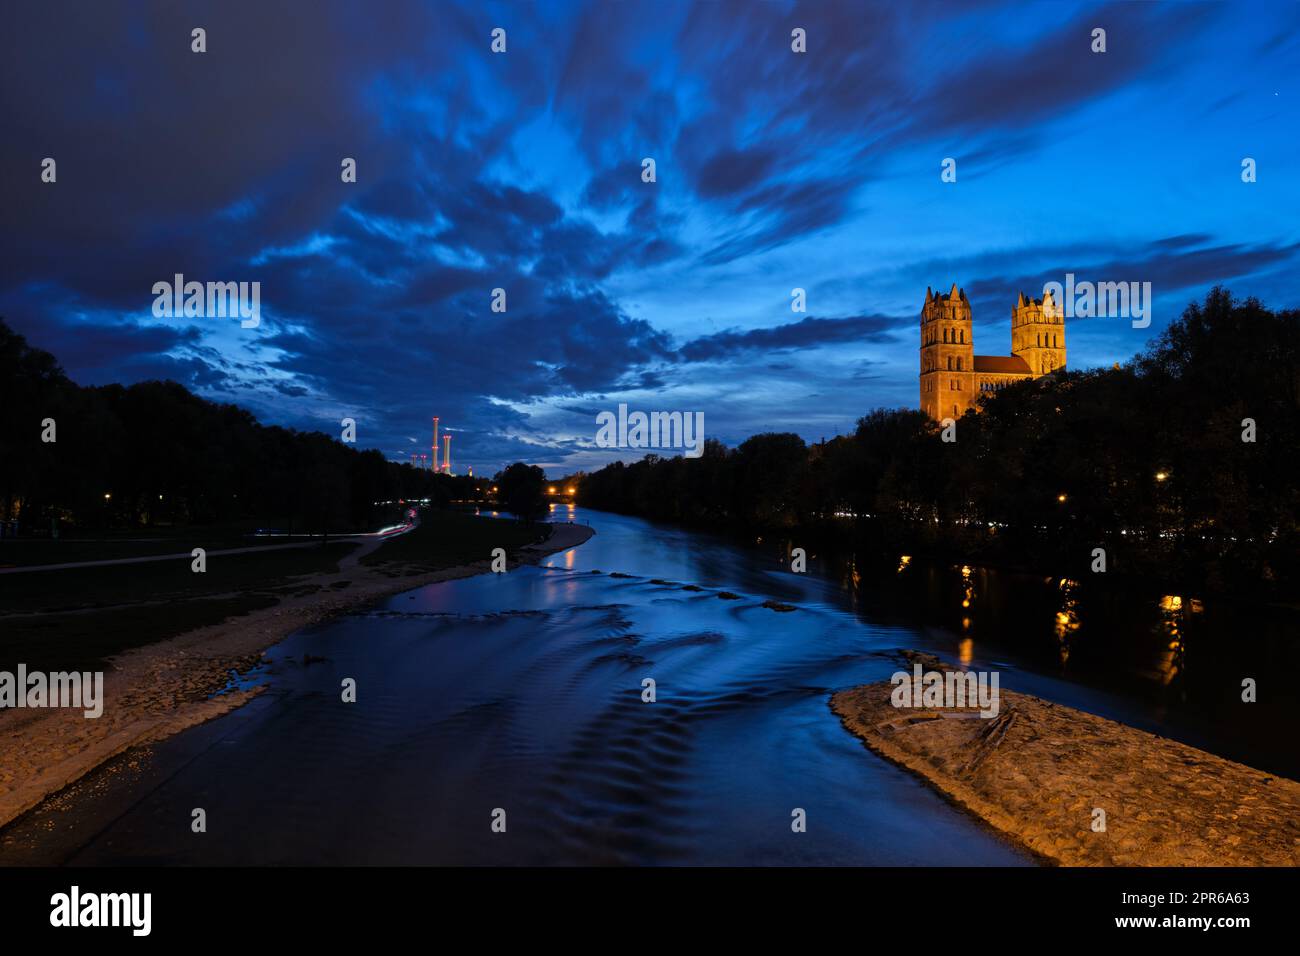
{"x": 950, "y": 363}
{"x": 945, "y": 335}
{"x": 959, "y": 364}
{"x": 963, "y": 336}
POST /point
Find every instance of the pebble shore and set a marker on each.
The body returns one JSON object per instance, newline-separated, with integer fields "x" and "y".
{"x": 1039, "y": 771}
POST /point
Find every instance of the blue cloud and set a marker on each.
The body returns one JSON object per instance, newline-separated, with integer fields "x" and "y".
{"x": 522, "y": 171}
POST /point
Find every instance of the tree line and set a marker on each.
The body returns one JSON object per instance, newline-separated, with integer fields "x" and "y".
{"x": 155, "y": 454}
{"x": 1179, "y": 465}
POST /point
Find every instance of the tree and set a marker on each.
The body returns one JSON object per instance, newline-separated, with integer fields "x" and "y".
{"x": 521, "y": 490}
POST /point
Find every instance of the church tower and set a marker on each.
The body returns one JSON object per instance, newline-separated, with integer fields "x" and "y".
{"x": 947, "y": 355}
{"x": 1038, "y": 334}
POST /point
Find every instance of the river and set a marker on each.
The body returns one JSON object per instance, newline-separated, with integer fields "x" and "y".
{"x": 523, "y": 693}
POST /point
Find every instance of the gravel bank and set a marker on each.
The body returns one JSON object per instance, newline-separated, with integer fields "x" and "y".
{"x": 1038, "y": 771}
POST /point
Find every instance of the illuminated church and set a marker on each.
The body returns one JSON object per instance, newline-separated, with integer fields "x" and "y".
{"x": 953, "y": 376}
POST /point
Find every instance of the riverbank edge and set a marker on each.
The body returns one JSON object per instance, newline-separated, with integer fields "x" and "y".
{"x": 157, "y": 691}
{"x": 818, "y": 542}
{"x": 1040, "y": 777}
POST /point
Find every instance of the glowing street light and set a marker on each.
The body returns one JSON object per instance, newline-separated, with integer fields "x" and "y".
{"x": 1161, "y": 475}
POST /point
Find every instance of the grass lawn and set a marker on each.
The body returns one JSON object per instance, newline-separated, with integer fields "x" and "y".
{"x": 83, "y": 641}
{"x": 162, "y": 580}
{"x": 53, "y": 620}
{"x": 83, "y": 615}
{"x": 448, "y": 538}
{"x": 110, "y": 545}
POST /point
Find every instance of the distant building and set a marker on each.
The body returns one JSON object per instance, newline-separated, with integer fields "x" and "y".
{"x": 953, "y": 376}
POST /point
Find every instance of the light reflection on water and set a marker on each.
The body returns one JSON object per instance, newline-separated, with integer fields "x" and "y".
{"x": 523, "y": 691}
{"x": 1172, "y": 664}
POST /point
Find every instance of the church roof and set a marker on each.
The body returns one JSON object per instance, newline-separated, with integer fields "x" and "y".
{"x": 954, "y": 295}
{"x": 1007, "y": 364}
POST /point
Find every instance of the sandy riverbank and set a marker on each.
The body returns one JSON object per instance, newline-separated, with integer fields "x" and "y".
{"x": 1038, "y": 771}
{"x": 155, "y": 691}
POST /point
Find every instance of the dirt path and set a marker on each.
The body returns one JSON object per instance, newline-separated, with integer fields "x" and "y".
{"x": 161, "y": 689}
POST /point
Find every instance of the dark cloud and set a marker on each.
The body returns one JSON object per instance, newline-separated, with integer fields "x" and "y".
{"x": 783, "y": 213}
{"x": 1016, "y": 88}
{"x": 807, "y": 333}
{"x": 1171, "y": 264}
{"x": 293, "y": 391}
{"x": 732, "y": 171}
{"x": 523, "y": 172}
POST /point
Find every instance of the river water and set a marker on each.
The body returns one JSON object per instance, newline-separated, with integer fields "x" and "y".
{"x": 522, "y": 693}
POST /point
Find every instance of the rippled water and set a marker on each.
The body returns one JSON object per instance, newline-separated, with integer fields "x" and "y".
{"x": 523, "y": 692}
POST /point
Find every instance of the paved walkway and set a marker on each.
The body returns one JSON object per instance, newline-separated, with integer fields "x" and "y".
{"x": 373, "y": 540}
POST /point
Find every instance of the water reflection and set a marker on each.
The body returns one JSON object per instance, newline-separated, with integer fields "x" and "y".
{"x": 968, "y": 596}
{"x": 1178, "y": 659}
{"x": 523, "y": 691}
{"x": 1067, "y": 618}
{"x": 965, "y": 651}
{"x": 1170, "y": 629}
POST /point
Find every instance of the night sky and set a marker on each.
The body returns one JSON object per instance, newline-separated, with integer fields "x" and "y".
{"x": 523, "y": 171}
